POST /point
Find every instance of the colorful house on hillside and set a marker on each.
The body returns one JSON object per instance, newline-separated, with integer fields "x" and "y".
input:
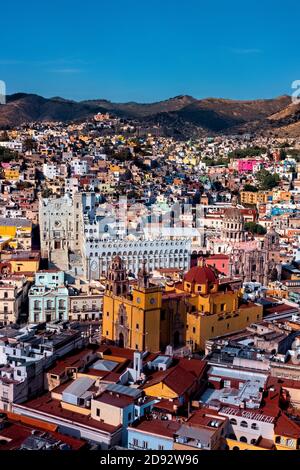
{"x": 249, "y": 165}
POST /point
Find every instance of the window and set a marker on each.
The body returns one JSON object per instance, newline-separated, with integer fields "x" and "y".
{"x": 244, "y": 424}
{"x": 135, "y": 442}
{"x": 290, "y": 443}
{"x": 233, "y": 421}
{"x": 98, "y": 412}
{"x": 145, "y": 445}
{"x": 5, "y": 295}
{"x": 137, "y": 326}
{"x": 212, "y": 329}
{"x": 129, "y": 416}
{"x": 160, "y": 447}
{"x": 107, "y": 314}
{"x": 254, "y": 426}
{"x": 243, "y": 439}
{"x": 223, "y": 307}
{"x": 194, "y": 329}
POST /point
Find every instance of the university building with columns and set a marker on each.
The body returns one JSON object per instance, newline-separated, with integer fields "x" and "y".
{"x": 71, "y": 224}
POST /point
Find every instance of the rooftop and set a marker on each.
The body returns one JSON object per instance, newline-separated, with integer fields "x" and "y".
{"x": 50, "y": 406}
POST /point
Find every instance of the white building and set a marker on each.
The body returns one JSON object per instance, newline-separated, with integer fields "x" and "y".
{"x": 158, "y": 253}
{"x": 14, "y": 145}
{"x": 72, "y": 225}
{"x": 50, "y": 170}
{"x": 79, "y": 167}
{"x": 60, "y": 228}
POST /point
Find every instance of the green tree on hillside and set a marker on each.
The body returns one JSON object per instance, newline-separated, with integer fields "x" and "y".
{"x": 255, "y": 228}
{"x": 250, "y": 188}
{"x": 267, "y": 180}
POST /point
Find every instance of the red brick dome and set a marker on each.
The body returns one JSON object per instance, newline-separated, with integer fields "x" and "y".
{"x": 200, "y": 275}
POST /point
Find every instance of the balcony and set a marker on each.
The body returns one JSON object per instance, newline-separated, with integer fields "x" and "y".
{"x": 136, "y": 447}
{"x": 89, "y": 310}
{"x": 5, "y": 400}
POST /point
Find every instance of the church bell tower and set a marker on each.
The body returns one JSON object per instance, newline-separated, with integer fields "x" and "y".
{"x": 117, "y": 281}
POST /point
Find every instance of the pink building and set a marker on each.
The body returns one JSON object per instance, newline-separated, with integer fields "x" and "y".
{"x": 249, "y": 164}
{"x": 220, "y": 262}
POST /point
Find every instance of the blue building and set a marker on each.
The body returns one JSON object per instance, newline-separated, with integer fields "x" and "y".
{"x": 48, "y": 297}
{"x": 152, "y": 435}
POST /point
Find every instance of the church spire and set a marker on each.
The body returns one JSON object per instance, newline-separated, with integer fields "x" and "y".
{"x": 143, "y": 277}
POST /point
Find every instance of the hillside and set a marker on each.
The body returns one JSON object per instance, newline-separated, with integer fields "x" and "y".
{"x": 182, "y": 114}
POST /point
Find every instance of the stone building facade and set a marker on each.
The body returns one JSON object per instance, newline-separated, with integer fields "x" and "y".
{"x": 250, "y": 259}
{"x": 72, "y": 225}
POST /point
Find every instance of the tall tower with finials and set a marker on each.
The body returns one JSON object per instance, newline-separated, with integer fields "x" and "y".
{"x": 133, "y": 321}
{"x": 117, "y": 281}
{"x": 143, "y": 277}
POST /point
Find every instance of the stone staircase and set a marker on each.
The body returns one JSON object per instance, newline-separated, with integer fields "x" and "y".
{"x": 59, "y": 259}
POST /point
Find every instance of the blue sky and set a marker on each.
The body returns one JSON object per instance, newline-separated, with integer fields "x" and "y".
{"x": 150, "y": 50}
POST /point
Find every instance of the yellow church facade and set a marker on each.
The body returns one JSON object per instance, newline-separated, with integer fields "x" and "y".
{"x": 149, "y": 317}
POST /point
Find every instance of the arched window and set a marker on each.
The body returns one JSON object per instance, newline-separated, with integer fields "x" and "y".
{"x": 233, "y": 421}
{"x": 244, "y": 424}
{"x": 253, "y": 442}
{"x": 243, "y": 439}
{"x": 254, "y": 426}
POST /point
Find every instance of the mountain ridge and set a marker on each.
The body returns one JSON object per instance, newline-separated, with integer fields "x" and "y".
{"x": 178, "y": 113}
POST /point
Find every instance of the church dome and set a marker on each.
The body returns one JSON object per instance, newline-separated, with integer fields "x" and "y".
{"x": 201, "y": 275}
{"x": 233, "y": 213}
